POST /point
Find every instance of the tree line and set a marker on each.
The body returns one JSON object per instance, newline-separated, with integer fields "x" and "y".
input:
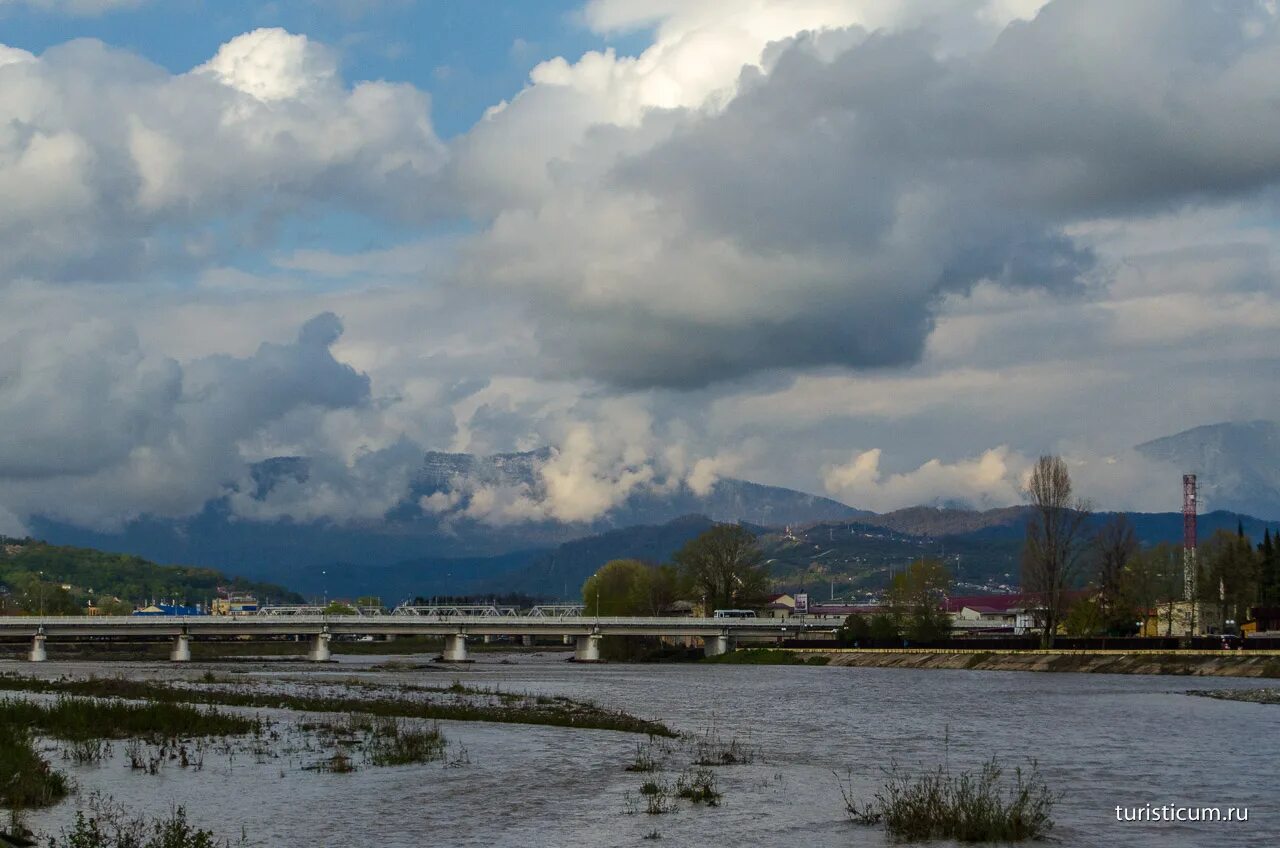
{"x": 723, "y": 568}
{"x": 1124, "y": 583}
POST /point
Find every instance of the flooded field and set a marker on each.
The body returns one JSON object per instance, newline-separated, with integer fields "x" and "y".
{"x": 1100, "y": 740}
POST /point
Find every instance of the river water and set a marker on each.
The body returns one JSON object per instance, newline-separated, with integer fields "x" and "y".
{"x": 1101, "y": 740}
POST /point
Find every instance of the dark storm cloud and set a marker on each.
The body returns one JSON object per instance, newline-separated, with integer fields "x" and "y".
{"x": 819, "y": 216}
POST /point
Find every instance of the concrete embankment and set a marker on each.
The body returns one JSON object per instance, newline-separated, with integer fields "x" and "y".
{"x": 1197, "y": 663}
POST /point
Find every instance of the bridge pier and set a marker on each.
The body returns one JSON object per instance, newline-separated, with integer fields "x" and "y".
{"x": 588, "y": 649}
{"x": 37, "y": 649}
{"x": 319, "y": 648}
{"x": 568, "y": 640}
{"x": 714, "y": 646}
{"x": 527, "y": 641}
{"x": 488, "y": 638}
{"x": 455, "y": 648}
{"x": 181, "y": 650}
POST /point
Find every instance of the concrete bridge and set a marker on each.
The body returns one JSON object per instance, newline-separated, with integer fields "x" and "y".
{"x": 718, "y": 635}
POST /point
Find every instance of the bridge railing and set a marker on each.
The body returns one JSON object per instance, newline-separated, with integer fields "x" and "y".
{"x": 452, "y": 610}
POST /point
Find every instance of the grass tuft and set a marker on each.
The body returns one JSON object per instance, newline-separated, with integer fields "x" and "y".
{"x": 26, "y": 779}
{"x": 967, "y": 807}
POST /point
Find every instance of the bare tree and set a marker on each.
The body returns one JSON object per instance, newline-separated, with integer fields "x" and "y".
{"x": 1056, "y": 541}
{"x": 1115, "y": 545}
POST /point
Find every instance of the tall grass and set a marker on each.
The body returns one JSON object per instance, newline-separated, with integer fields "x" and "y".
{"x": 108, "y": 825}
{"x": 26, "y": 778}
{"x": 84, "y": 719}
{"x": 979, "y": 806}
{"x": 395, "y": 744}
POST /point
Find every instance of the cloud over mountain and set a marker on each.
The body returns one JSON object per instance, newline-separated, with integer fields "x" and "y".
{"x": 892, "y": 249}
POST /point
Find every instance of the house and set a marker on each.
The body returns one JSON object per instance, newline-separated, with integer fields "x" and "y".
{"x": 1182, "y": 618}
{"x": 779, "y": 606}
{"x": 993, "y": 614}
{"x": 839, "y": 612}
{"x": 234, "y": 605}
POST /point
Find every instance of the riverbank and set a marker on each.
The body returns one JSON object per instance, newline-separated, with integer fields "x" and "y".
{"x": 1223, "y": 664}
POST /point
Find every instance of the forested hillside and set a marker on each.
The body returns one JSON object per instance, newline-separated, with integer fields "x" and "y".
{"x": 64, "y": 580}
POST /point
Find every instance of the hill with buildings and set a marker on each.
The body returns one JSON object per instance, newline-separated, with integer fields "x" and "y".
{"x": 61, "y": 580}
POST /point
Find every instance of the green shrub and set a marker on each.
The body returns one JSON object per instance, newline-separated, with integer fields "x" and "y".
{"x": 699, "y": 787}
{"x": 26, "y": 778}
{"x": 966, "y": 807}
{"x": 108, "y": 825}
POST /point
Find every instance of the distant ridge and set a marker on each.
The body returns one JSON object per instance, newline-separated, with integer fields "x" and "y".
{"x": 1238, "y": 464}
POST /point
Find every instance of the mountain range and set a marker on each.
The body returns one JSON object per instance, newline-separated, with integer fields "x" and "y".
{"x": 1237, "y": 464}
{"x": 414, "y": 549}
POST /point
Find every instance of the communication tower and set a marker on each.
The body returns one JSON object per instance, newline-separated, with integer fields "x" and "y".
{"x": 1189, "y": 506}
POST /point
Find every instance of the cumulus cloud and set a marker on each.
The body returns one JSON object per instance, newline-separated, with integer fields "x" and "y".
{"x": 97, "y": 430}
{"x": 603, "y": 455}
{"x": 996, "y": 478}
{"x": 102, "y": 153}
{"x": 818, "y": 210}
{"x": 948, "y": 224}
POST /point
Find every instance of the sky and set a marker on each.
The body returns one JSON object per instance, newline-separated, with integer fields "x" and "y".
{"x": 888, "y": 252}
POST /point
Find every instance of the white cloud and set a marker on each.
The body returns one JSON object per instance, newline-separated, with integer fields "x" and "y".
{"x": 680, "y": 223}
{"x": 996, "y": 478}
{"x": 102, "y": 153}
{"x": 1081, "y": 268}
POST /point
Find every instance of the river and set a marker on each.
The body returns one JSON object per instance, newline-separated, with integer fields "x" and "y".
{"x": 1101, "y": 740}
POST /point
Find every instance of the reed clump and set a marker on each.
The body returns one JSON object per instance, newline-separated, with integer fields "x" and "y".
{"x": 108, "y": 825}
{"x": 26, "y": 778}
{"x": 710, "y": 750}
{"x": 699, "y": 786}
{"x": 969, "y": 806}
{"x": 394, "y": 743}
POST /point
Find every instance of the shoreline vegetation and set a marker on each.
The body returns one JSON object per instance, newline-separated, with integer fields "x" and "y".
{"x": 335, "y": 726}
{"x": 452, "y": 703}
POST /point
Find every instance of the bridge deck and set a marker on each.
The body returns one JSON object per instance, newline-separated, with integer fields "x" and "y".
{"x": 389, "y": 625}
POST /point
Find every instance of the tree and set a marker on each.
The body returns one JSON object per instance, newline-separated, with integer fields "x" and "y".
{"x": 1084, "y": 618}
{"x": 723, "y": 567}
{"x": 1269, "y": 570}
{"x": 1115, "y": 544}
{"x": 1231, "y": 570}
{"x": 616, "y": 589}
{"x": 1056, "y": 541}
{"x": 917, "y": 598}
{"x": 885, "y": 627}
{"x": 855, "y": 628}
{"x": 629, "y": 587}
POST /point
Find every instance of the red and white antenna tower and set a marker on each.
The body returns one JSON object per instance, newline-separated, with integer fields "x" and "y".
{"x": 1189, "y": 504}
